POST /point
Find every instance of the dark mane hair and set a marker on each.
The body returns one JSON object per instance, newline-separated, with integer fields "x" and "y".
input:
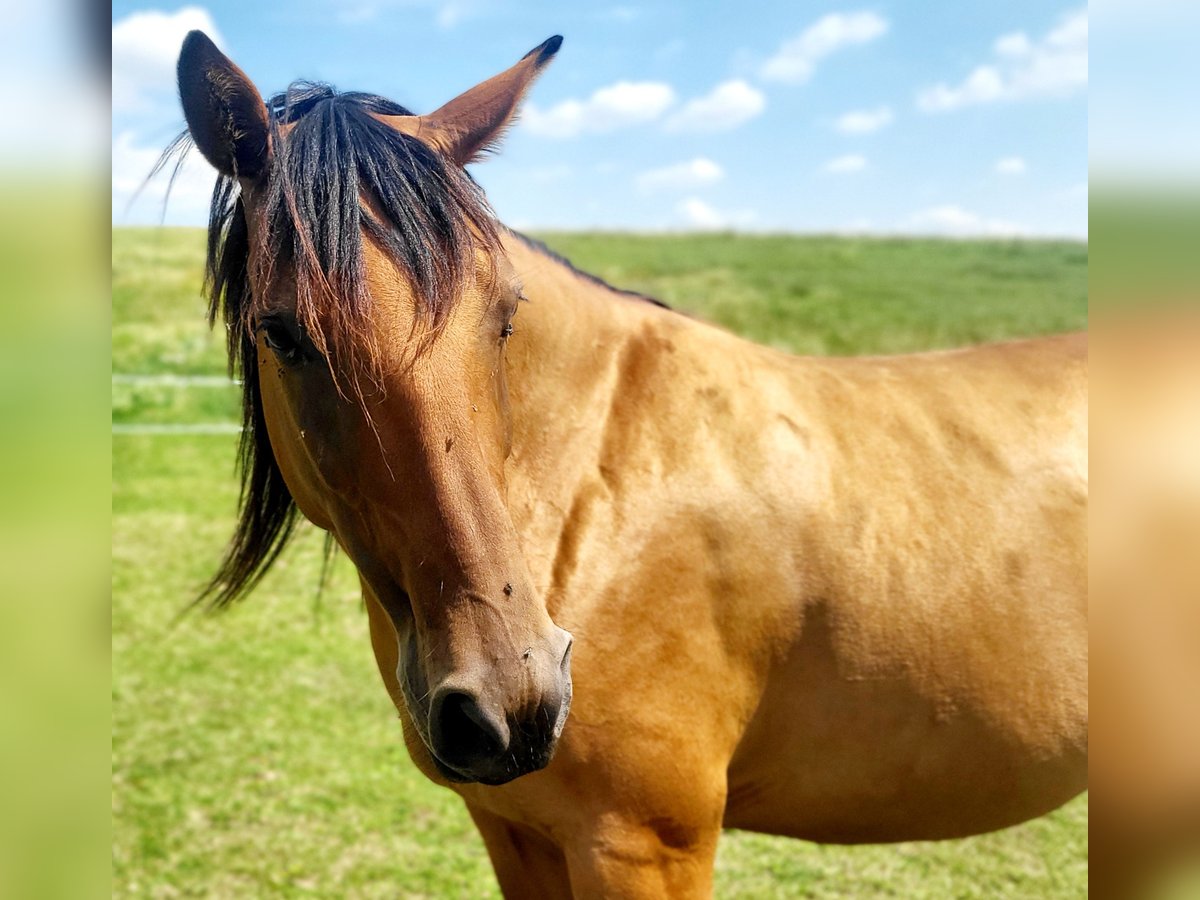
{"x": 337, "y": 172}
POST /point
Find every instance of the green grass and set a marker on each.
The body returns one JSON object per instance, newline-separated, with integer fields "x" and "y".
{"x": 848, "y": 295}
{"x": 257, "y": 754}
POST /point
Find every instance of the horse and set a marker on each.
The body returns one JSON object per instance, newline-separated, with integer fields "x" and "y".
{"x": 631, "y": 579}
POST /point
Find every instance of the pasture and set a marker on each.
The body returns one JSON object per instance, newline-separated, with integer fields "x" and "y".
{"x": 256, "y": 753}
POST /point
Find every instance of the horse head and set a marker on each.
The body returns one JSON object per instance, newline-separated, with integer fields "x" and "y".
{"x": 359, "y": 272}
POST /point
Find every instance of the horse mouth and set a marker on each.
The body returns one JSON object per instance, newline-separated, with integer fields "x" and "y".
{"x": 510, "y": 768}
{"x": 488, "y": 779}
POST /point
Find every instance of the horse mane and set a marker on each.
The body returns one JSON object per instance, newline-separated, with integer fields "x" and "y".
{"x": 340, "y": 172}
{"x": 540, "y": 247}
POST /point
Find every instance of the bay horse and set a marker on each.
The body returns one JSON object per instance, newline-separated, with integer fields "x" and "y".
{"x": 631, "y": 579}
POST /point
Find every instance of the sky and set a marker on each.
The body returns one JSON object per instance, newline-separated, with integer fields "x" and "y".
{"x": 948, "y": 118}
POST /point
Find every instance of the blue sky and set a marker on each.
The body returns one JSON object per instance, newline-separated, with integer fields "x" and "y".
{"x": 945, "y": 118}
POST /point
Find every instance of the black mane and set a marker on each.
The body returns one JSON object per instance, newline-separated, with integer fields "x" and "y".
{"x": 540, "y": 247}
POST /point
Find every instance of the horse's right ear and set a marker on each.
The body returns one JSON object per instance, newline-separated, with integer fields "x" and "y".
{"x": 225, "y": 114}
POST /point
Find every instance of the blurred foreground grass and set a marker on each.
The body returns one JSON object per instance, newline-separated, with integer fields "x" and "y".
{"x": 256, "y": 753}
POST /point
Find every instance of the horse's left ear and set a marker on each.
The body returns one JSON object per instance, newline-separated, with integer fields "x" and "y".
{"x": 224, "y": 111}
{"x": 472, "y": 123}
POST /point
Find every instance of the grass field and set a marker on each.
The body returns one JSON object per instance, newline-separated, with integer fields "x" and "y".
{"x": 256, "y": 753}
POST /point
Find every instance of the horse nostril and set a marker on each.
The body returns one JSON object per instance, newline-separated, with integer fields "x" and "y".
{"x": 464, "y": 733}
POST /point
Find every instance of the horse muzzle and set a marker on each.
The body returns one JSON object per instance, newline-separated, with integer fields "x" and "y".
{"x": 474, "y": 736}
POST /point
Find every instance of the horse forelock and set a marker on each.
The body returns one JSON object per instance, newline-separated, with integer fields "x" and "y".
{"x": 338, "y": 173}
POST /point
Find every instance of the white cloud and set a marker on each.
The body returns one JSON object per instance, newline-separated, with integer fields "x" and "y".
{"x": 131, "y": 163}
{"x": 609, "y": 108}
{"x": 1055, "y": 66}
{"x": 700, "y": 215}
{"x": 682, "y": 176}
{"x": 1010, "y": 165}
{"x": 145, "y": 47}
{"x": 864, "y": 121}
{"x": 953, "y": 220}
{"x": 1013, "y": 45}
{"x": 797, "y": 58}
{"x": 846, "y": 165}
{"x": 857, "y": 226}
{"x": 725, "y": 107}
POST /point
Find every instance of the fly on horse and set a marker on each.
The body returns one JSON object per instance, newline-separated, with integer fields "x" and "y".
{"x": 629, "y": 578}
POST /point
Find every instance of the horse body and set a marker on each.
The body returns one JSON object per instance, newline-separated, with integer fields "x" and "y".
{"x": 841, "y": 599}
{"x": 838, "y": 599}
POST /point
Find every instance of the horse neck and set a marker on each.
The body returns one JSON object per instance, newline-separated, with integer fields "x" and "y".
{"x": 567, "y": 337}
{"x": 563, "y": 361}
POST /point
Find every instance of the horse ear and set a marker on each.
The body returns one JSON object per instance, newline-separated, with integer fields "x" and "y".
{"x": 224, "y": 112}
{"x": 472, "y": 123}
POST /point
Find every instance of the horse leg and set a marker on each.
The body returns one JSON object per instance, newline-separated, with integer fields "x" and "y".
{"x": 526, "y": 863}
{"x": 659, "y": 858}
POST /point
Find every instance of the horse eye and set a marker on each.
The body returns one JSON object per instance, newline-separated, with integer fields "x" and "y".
{"x": 280, "y": 340}
{"x": 507, "y": 330}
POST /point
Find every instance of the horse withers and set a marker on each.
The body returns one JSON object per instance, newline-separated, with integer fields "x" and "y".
{"x": 840, "y": 599}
